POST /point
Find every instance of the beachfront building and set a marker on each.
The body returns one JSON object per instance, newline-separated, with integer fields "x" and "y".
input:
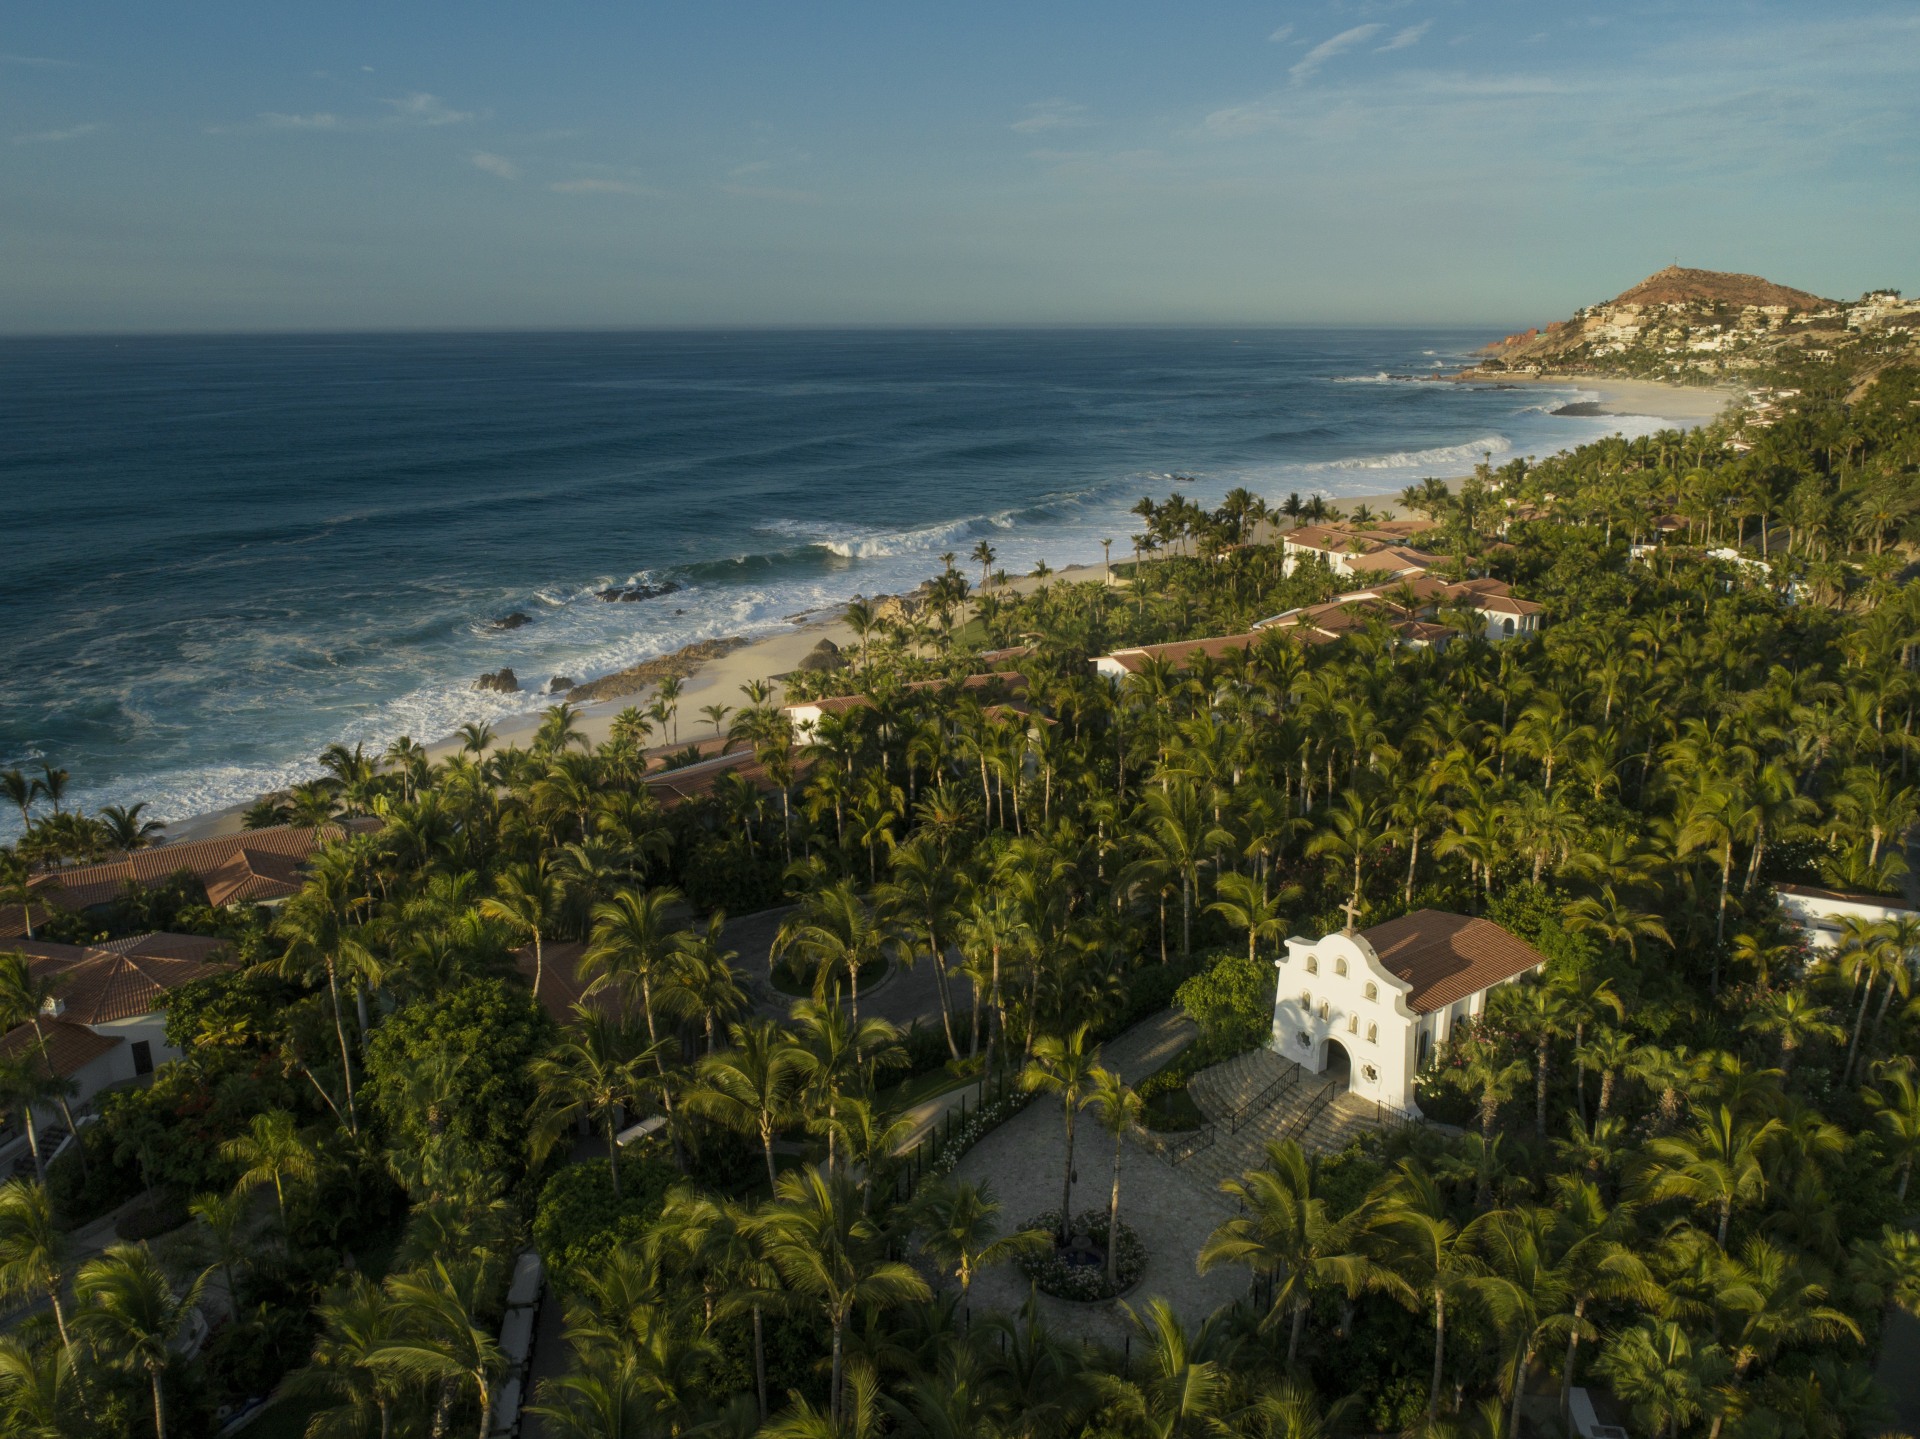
{"x": 805, "y": 715}
{"x": 1350, "y": 550}
{"x": 1409, "y": 603}
{"x": 106, "y": 1023}
{"x": 264, "y": 866}
{"x": 1123, "y": 664}
{"x": 1370, "y": 1007}
{"x": 1821, "y": 915}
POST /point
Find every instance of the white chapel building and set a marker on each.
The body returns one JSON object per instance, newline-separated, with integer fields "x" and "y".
{"x": 1374, "y": 1004}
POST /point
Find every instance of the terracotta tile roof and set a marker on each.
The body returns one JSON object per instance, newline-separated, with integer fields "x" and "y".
{"x": 1180, "y": 652}
{"x": 1485, "y": 585}
{"x": 84, "y": 886}
{"x": 70, "y": 1047}
{"x": 121, "y": 979}
{"x": 1448, "y": 956}
{"x": 560, "y": 986}
{"x": 166, "y": 946}
{"x": 253, "y": 874}
{"x": 1505, "y": 605}
{"x": 1393, "y": 559}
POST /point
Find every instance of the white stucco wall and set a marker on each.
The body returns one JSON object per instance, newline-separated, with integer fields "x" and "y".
{"x": 1820, "y": 918}
{"x": 1321, "y": 991}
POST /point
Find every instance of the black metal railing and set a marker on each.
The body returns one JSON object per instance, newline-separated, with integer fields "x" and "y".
{"x": 1265, "y": 1097}
{"x": 1305, "y": 1117}
{"x": 1201, "y": 1138}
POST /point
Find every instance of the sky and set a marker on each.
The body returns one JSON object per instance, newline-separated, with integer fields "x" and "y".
{"x": 200, "y": 166}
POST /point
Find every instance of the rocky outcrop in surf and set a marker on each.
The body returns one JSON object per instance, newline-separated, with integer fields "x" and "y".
{"x": 633, "y": 679}
{"x": 501, "y": 681}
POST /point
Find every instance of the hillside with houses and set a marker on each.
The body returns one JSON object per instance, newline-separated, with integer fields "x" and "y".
{"x": 1699, "y": 326}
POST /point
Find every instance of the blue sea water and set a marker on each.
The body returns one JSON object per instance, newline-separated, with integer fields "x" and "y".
{"x": 225, "y": 552}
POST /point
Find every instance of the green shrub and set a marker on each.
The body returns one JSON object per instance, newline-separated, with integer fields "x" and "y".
{"x": 578, "y": 1221}
{"x": 1231, "y": 1000}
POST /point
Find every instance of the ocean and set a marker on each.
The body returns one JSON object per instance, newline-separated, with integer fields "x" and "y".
{"x": 223, "y": 553}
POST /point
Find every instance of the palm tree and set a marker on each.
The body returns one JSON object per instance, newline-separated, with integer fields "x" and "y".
{"x": 25, "y": 999}
{"x": 841, "y": 1055}
{"x": 355, "y": 1321}
{"x": 983, "y": 555}
{"x": 958, "y": 1224}
{"x": 1421, "y": 1259}
{"x": 1794, "y": 1018}
{"x": 1353, "y": 829}
{"x": 475, "y": 736}
{"x": 822, "y": 1247}
{"x": 527, "y": 899}
{"x": 1063, "y": 1067}
{"x": 223, "y": 1221}
{"x": 1655, "y": 1367}
{"x": 1769, "y": 1300}
{"x": 1118, "y": 1109}
{"x": 1491, "y": 1078}
{"x": 1896, "y": 1107}
{"x": 1174, "y": 826}
{"x": 272, "y": 1151}
{"x": 1185, "y": 1389}
{"x": 129, "y": 1309}
{"x": 315, "y": 925}
{"x": 838, "y": 933}
{"x": 127, "y": 830}
{"x": 634, "y": 950}
{"x": 593, "y": 1072}
{"x": 752, "y": 1087}
{"x": 1719, "y": 1163}
{"x": 1245, "y": 904}
{"x": 437, "y": 1334}
{"x": 26, "y": 1083}
{"x": 22, "y": 792}
{"x": 34, "y": 1253}
{"x": 38, "y": 1388}
{"x": 1287, "y": 1234}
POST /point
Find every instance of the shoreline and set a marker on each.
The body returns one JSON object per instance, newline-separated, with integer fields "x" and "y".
{"x": 718, "y": 680}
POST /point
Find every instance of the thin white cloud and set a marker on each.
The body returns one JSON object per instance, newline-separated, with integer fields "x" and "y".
{"x": 771, "y": 192}
{"x": 54, "y": 137}
{"x": 752, "y": 167}
{"x": 592, "y": 186}
{"x": 1327, "y": 49}
{"x": 494, "y": 164}
{"x": 1285, "y": 32}
{"x": 42, "y": 62}
{"x": 1406, "y": 38}
{"x": 321, "y": 121}
{"x": 421, "y": 108}
{"x": 1053, "y": 114}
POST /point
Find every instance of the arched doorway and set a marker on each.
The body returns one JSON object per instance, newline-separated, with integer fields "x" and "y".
{"x": 1339, "y": 1065}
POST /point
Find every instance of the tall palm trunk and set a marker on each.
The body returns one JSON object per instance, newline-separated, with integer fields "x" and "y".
{"x": 340, "y": 1032}
{"x": 1439, "y": 1352}
{"x": 1113, "y": 1216}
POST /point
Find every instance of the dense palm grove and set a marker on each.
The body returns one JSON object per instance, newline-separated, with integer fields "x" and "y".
{"x": 1676, "y": 1167}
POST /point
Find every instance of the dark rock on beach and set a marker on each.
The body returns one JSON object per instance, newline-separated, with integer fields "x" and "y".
{"x": 646, "y": 674}
{"x": 501, "y": 681}
{"x": 651, "y": 590}
{"x": 825, "y": 656}
{"x": 512, "y": 621}
{"x": 559, "y": 683}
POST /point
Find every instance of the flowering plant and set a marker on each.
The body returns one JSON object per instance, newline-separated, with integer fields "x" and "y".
{"x": 1055, "y": 1273}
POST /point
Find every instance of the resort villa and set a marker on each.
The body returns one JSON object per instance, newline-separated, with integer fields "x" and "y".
{"x": 1371, "y": 1006}
{"x": 1821, "y": 915}
{"x": 106, "y": 1023}
{"x": 805, "y": 715}
{"x": 264, "y": 866}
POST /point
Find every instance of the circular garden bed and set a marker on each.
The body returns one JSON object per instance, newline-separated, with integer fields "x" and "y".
{"x": 1078, "y": 1270}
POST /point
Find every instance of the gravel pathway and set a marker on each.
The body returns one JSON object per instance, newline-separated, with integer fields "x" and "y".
{"x": 1021, "y": 1160}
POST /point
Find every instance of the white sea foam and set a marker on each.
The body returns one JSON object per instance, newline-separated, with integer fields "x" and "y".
{"x": 1439, "y": 457}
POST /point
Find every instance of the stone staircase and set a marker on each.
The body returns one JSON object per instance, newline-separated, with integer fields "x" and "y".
{"x": 1261, "y": 1096}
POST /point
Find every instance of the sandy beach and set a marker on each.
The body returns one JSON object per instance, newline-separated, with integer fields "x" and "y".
{"x": 720, "y": 681}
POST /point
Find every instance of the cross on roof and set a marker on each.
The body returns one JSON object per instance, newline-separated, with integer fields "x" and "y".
{"x": 1352, "y": 911}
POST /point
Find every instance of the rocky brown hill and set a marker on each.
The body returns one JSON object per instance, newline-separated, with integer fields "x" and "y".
{"x": 1685, "y": 324}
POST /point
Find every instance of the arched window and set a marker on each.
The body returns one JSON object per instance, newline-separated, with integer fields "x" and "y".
{"x": 1373, "y": 1034}
{"x": 1313, "y": 964}
{"x": 1506, "y": 627}
{"x": 1373, "y": 990}
{"x": 1339, "y": 966}
{"x": 1323, "y": 1009}
{"x": 1306, "y": 999}
{"x": 1353, "y": 1024}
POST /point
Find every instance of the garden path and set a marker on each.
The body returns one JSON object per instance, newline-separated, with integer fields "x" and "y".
{"x": 1172, "y": 1213}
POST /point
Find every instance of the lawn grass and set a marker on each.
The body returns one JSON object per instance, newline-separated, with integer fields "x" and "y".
{"x": 923, "y": 1087}
{"x": 1173, "y": 1109}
